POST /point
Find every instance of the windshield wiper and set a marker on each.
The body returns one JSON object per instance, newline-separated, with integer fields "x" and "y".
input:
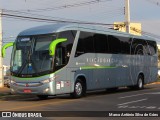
{"x": 22, "y": 67}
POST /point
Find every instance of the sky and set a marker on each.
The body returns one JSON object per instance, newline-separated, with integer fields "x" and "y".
{"x": 147, "y": 12}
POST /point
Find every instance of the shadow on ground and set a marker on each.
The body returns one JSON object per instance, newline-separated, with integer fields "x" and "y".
{"x": 10, "y": 97}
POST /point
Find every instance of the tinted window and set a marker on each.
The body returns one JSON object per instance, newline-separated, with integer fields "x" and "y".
{"x": 152, "y": 47}
{"x": 70, "y": 35}
{"x": 138, "y": 47}
{"x": 100, "y": 43}
{"x": 85, "y": 44}
{"x": 43, "y": 43}
{"x": 114, "y": 44}
{"x": 125, "y": 45}
{"x": 145, "y": 47}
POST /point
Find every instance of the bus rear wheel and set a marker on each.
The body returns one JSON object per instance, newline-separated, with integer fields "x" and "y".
{"x": 140, "y": 83}
{"x": 79, "y": 89}
{"x": 42, "y": 97}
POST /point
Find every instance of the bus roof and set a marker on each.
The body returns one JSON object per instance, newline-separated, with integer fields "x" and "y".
{"x": 49, "y": 29}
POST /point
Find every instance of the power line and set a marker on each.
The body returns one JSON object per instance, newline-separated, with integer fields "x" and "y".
{"x": 109, "y": 15}
{"x": 46, "y": 2}
{"x": 110, "y": 12}
{"x": 154, "y": 2}
{"x": 27, "y": 19}
{"x": 33, "y": 14}
{"x": 66, "y": 6}
{"x": 152, "y": 35}
{"x": 50, "y": 17}
{"x": 146, "y": 33}
{"x": 51, "y": 20}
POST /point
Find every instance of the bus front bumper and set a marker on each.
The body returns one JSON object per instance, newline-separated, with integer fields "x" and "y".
{"x": 35, "y": 89}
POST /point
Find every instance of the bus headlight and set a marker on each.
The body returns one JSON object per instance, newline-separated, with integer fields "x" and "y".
{"x": 13, "y": 82}
{"x": 47, "y": 80}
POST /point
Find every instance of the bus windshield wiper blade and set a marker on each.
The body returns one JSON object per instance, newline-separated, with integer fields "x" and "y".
{"x": 21, "y": 69}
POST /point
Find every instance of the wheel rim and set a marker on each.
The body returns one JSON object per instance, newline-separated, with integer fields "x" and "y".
{"x": 140, "y": 83}
{"x": 78, "y": 88}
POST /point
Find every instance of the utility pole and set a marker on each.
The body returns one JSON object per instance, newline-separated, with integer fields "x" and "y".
{"x": 1, "y": 60}
{"x": 127, "y": 15}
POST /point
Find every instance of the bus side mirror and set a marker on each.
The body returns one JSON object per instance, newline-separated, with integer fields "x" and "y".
{"x": 5, "y": 47}
{"x": 53, "y": 44}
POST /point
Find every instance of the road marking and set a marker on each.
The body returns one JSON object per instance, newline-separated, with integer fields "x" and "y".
{"x": 141, "y": 107}
{"x": 152, "y": 93}
{"x": 133, "y": 107}
{"x": 155, "y": 93}
{"x": 122, "y": 106}
{"x": 144, "y": 90}
{"x": 132, "y": 95}
{"x": 133, "y": 101}
{"x": 151, "y": 107}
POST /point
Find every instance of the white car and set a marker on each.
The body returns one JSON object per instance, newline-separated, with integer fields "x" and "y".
{"x": 158, "y": 73}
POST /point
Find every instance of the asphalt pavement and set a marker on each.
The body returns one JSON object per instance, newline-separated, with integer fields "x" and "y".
{"x": 4, "y": 91}
{"x": 96, "y": 101}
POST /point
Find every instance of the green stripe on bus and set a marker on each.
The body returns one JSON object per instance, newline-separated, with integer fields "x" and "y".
{"x": 97, "y": 67}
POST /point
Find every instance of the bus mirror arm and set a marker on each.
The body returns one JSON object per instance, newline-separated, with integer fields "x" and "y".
{"x": 53, "y": 44}
{"x": 5, "y": 47}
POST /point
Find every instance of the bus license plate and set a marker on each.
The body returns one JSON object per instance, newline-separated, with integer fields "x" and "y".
{"x": 27, "y": 91}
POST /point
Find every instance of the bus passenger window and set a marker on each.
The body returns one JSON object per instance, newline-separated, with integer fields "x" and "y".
{"x": 114, "y": 44}
{"x": 100, "y": 43}
{"x": 85, "y": 44}
{"x": 152, "y": 47}
{"x": 138, "y": 47}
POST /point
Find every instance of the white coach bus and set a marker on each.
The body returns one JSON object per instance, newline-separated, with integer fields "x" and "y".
{"x": 73, "y": 58}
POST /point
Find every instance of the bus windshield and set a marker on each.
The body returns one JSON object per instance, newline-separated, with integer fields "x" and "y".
{"x": 31, "y": 57}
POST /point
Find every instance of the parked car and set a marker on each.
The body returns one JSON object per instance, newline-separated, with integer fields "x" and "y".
{"x": 158, "y": 72}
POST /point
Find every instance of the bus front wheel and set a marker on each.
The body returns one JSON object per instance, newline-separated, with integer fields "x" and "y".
{"x": 79, "y": 89}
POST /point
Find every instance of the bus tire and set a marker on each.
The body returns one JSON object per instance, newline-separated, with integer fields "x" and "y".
{"x": 140, "y": 82}
{"x": 42, "y": 97}
{"x": 79, "y": 89}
